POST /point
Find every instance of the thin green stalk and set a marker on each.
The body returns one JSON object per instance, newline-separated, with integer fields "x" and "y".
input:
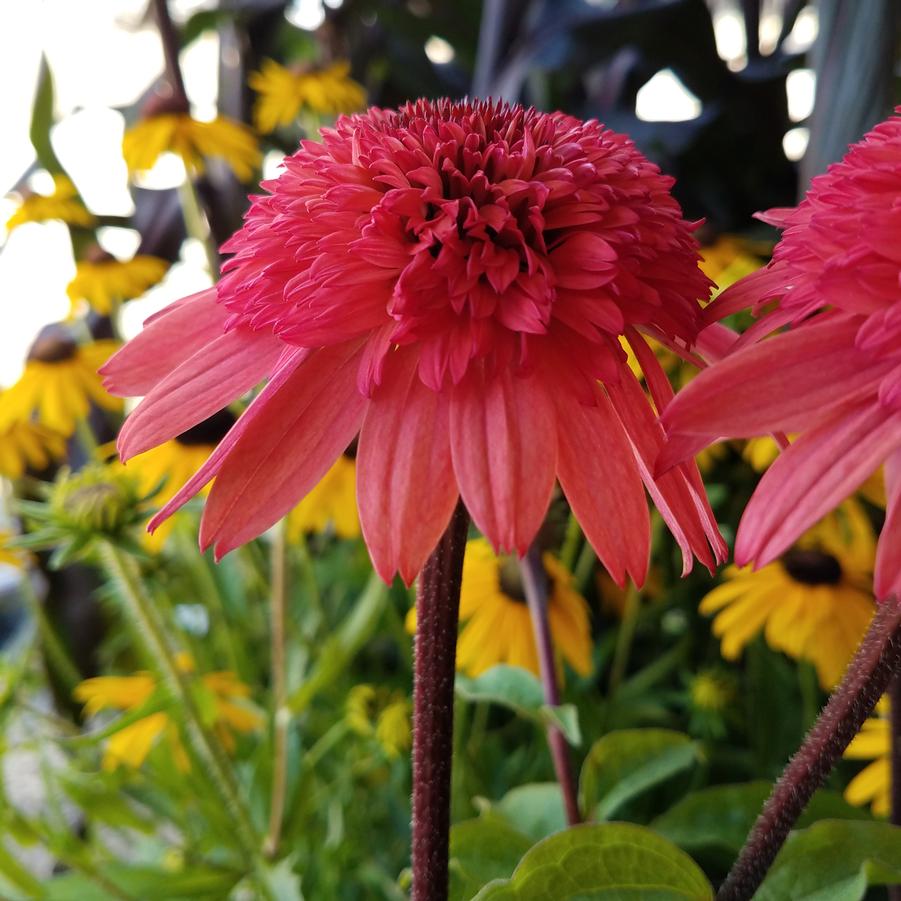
{"x": 57, "y": 655}
{"x": 332, "y": 737}
{"x": 584, "y": 566}
{"x": 86, "y": 437}
{"x": 281, "y": 715}
{"x": 571, "y": 541}
{"x": 156, "y": 643}
{"x": 196, "y": 223}
{"x": 311, "y": 587}
{"x": 624, "y": 638}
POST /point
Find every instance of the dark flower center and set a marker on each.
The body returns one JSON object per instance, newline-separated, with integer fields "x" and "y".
{"x": 811, "y": 567}
{"x": 53, "y": 344}
{"x": 211, "y": 431}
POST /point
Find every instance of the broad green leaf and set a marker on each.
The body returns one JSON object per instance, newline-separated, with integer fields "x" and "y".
{"x": 535, "y": 809}
{"x": 607, "y": 861}
{"x": 483, "y": 849}
{"x": 520, "y": 691}
{"x": 721, "y": 816}
{"x": 19, "y": 876}
{"x": 627, "y": 762}
{"x": 42, "y": 120}
{"x": 114, "y": 880}
{"x": 834, "y": 860}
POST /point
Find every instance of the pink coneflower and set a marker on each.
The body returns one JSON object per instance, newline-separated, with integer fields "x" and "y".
{"x": 834, "y": 376}
{"x": 448, "y": 281}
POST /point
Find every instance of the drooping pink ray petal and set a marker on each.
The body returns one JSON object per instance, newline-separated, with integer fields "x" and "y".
{"x": 888, "y": 555}
{"x": 815, "y": 474}
{"x": 504, "y": 446}
{"x": 603, "y": 487}
{"x": 406, "y": 490}
{"x": 285, "y": 449}
{"x": 170, "y": 337}
{"x": 217, "y": 374}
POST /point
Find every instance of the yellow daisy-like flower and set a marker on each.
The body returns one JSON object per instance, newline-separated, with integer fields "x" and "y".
{"x": 59, "y": 383}
{"x": 813, "y": 604}
{"x": 105, "y": 282}
{"x": 11, "y": 556}
{"x": 728, "y": 259}
{"x": 26, "y": 445}
{"x": 130, "y": 746}
{"x": 193, "y": 141}
{"x": 381, "y": 714}
{"x": 332, "y": 503}
{"x": 284, "y": 92}
{"x": 872, "y": 785}
{"x": 63, "y": 205}
{"x": 497, "y": 624}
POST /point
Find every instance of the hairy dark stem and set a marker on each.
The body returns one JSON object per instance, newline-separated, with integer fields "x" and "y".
{"x": 535, "y": 584}
{"x": 435, "y": 649}
{"x": 169, "y": 38}
{"x": 868, "y": 675}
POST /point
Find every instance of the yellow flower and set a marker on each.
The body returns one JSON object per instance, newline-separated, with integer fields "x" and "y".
{"x": 872, "y": 785}
{"x": 333, "y": 502}
{"x": 130, "y": 746}
{"x": 728, "y": 259}
{"x": 104, "y": 283}
{"x": 761, "y": 452}
{"x": 382, "y": 714}
{"x": 192, "y": 140}
{"x": 59, "y": 383}
{"x": 284, "y": 92}
{"x": 63, "y": 204}
{"x": 26, "y": 445}
{"x": 497, "y": 625}
{"x": 813, "y": 604}
{"x": 711, "y": 692}
{"x": 11, "y": 556}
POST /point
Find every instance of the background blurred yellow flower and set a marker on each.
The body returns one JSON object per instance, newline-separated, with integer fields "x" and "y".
{"x": 284, "y": 92}
{"x": 730, "y": 258}
{"x": 382, "y": 714}
{"x": 26, "y": 445}
{"x": 11, "y": 556}
{"x": 813, "y": 604}
{"x": 332, "y": 503}
{"x": 130, "y": 746}
{"x": 59, "y": 383}
{"x": 105, "y": 282}
{"x": 63, "y": 204}
{"x": 872, "y": 785}
{"x": 193, "y": 141}
{"x": 497, "y": 627}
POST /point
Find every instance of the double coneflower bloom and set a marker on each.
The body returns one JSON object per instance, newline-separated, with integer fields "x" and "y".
{"x": 449, "y": 282}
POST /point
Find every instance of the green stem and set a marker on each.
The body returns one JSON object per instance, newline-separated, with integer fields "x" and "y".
{"x": 584, "y": 567}
{"x": 571, "y": 541}
{"x": 281, "y": 715}
{"x": 624, "y": 638}
{"x": 311, "y": 586}
{"x": 156, "y": 643}
{"x": 196, "y": 223}
{"x": 86, "y": 438}
{"x": 57, "y": 655}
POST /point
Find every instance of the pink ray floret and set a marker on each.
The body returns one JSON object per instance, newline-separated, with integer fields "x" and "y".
{"x": 448, "y": 282}
{"x": 833, "y": 375}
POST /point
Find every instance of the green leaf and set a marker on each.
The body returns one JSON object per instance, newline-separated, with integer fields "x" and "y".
{"x": 139, "y": 881}
{"x": 835, "y": 860}
{"x": 483, "y": 849}
{"x": 42, "y": 120}
{"x": 720, "y": 817}
{"x": 627, "y": 762}
{"x": 520, "y": 691}
{"x": 535, "y": 809}
{"x": 608, "y": 861}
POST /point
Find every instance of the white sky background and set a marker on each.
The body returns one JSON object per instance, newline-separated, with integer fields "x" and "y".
{"x": 103, "y": 54}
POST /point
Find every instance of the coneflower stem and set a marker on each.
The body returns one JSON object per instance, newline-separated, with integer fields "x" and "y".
{"x": 169, "y": 38}
{"x": 535, "y": 586}
{"x": 152, "y": 634}
{"x": 281, "y": 716}
{"x": 873, "y": 666}
{"x": 434, "y": 659}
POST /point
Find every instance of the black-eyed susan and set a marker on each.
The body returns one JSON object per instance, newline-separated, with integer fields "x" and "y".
{"x": 162, "y": 470}
{"x": 284, "y": 92}
{"x": 167, "y": 126}
{"x": 331, "y": 504}
{"x": 497, "y": 627}
{"x": 59, "y": 383}
{"x": 814, "y": 603}
{"x": 26, "y": 445}
{"x": 63, "y": 204}
{"x": 381, "y": 714}
{"x": 730, "y": 258}
{"x": 103, "y": 282}
{"x": 872, "y": 785}
{"x": 222, "y": 694}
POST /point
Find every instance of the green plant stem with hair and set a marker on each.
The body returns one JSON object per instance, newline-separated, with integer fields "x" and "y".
{"x": 281, "y": 715}
{"x": 152, "y": 635}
